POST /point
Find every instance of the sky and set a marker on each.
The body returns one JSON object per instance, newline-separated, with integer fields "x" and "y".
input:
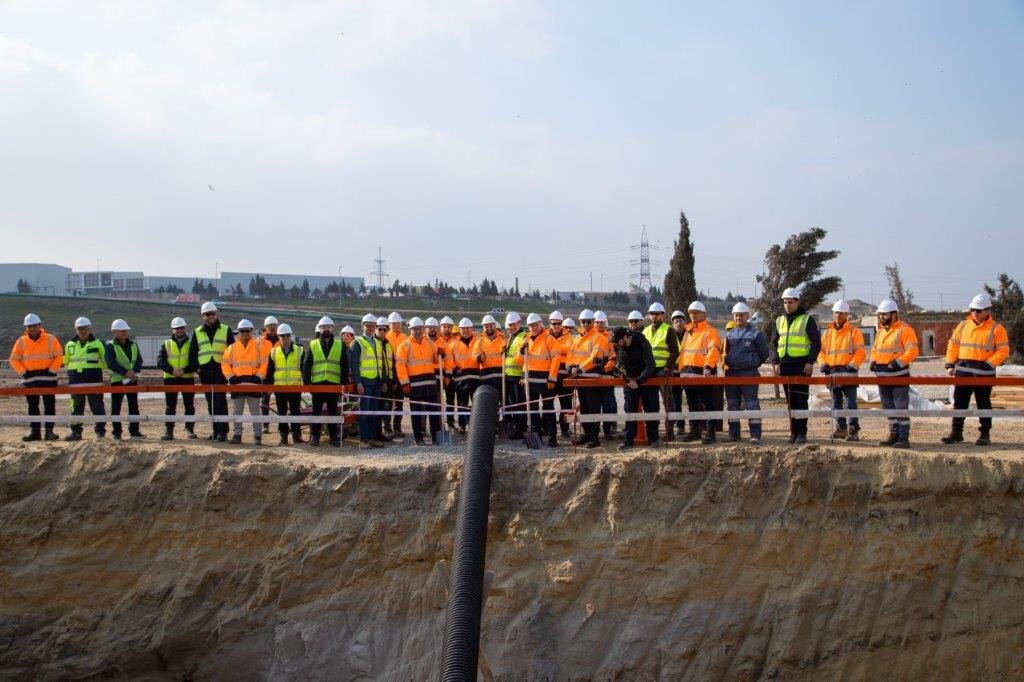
{"x": 515, "y": 138}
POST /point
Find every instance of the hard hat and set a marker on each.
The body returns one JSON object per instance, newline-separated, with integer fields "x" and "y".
{"x": 512, "y": 318}
{"x": 244, "y": 324}
{"x": 178, "y": 323}
{"x": 569, "y": 323}
{"x": 656, "y": 308}
{"x": 678, "y": 313}
{"x": 208, "y": 308}
{"x": 741, "y": 307}
{"x": 981, "y": 302}
{"x": 635, "y": 315}
{"x": 447, "y": 320}
{"x": 532, "y": 318}
{"x": 382, "y": 321}
{"x": 415, "y": 322}
{"x": 269, "y": 319}
{"x": 369, "y": 318}
{"x": 488, "y": 319}
{"x": 324, "y": 321}
{"x": 32, "y": 318}
{"x": 841, "y": 306}
{"x": 284, "y": 329}
{"x": 119, "y": 325}
{"x": 348, "y": 330}
{"x": 82, "y": 322}
{"x": 465, "y": 323}
{"x": 697, "y": 306}
{"x": 791, "y": 292}
{"x": 555, "y": 315}
{"x": 587, "y": 314}
{"x": 601, "y": 316}
{"x": 395, "y": 317}
{"x": 431, "y": 322}
{"x": 888, "y": 306}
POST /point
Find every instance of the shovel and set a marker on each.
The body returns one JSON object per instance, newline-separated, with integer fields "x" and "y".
{"x": 531, "y": 437}
{"x": 444, "y": 436}
{"x": 503, "y": 424}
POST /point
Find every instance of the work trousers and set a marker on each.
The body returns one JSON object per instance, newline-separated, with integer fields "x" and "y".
{"x": 171, "y": 402}
{"x": 465, "y": 388}
{"x": 514, "y": 396}
{"x": 95, "y": 401}
{"x": 962, "y": 400}
{"x": 717, "y": 404}
{"x": 239, "y": 402}
{"x": 542, "y": 399}
{"x": 631, "y": 398}
{"x": 49, "y": 405}
{"x": 116, "y": 400}
{"x": 896, "y": 398}
{"x": 797, "y": 395}
{"x": 369, "y": 401}
{"x": 325, "y": 404}
{"x": 396, "y": 402}
{"x": 288, "y": 404}
{"x": 743, "y": 398}
{"x": 449, "y": 401}
{"x": 845, "y": 398}
{"x": 216, "y": 403}
{"x": 564, "y": 403}
{"x": 666, "y": 397}
{"x": 699, "y": 399}
{"x": 425, "y": 399}
{"x": 609, "y": 406}
{"x": 677, "y": 403}
{"x": 590, "y": 403}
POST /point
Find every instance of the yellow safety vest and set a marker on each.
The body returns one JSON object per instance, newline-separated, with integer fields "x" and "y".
{"x": 793, "y": 339}
{"x": 288, "y": 368}
{"x": 658, "y": 338}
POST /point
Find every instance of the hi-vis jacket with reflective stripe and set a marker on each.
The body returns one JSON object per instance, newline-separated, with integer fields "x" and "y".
{"x": 416, "y": 362}
{"x": 396, "y": 339}
{"x": 543, "y": 357}
{"x": 512, "y": 368}
{"x": 39, "y": 358}
{"x": 564, "y": 341}
{"x": 285, "y": 369}
{"x": 85, "y": 361}
{"x": 461, "y": 357}
{"x": 793, "y": 339}
{"x": 588, "y": 352}
{"x": 702, "y": 348}
{"x": 896, "y": 344}
{"x": 248, "y": 361}
{"x": 842, "y": 347}
{"x": 657, "y": 336}
{"x": 977, "y": 348}
{"x": 492, "y": 349}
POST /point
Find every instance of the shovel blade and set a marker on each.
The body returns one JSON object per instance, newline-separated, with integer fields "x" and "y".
{"x": 444, "y": 437}
{"x": 532, "y": 440}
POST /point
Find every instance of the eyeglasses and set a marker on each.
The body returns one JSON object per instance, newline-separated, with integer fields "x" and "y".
{"x": 634, "y": 321}
{"x": 245, "y": 331}
{"x": 555, "y": 323}
{"x": 586, "y": 322}
{"x": 209, "y": 314}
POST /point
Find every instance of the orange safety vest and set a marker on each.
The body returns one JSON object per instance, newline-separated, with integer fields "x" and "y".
{"x": 842, "y": 347}
{"x": 416, "y": 361}
{"x": 585, "y": 352}
{"x": 543, "y": 358}
{"x": 461, "y": 356}
{"x": 899, "y": 343}
{"x": 243, "y": 360}
{"x": 985, "y": 342}
{"x": 43, "y": 353}
{"x": 273, "y": 344}
{"x": 493, "y": 351}
{"x": 396, "y": 339}
{"x": 701, "y": 348}
{"x": 564, "y": 342}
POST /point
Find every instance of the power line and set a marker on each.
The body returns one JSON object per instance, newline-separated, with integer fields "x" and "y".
{"x": 379, "y": 272}
{"x": 645, "y": 261}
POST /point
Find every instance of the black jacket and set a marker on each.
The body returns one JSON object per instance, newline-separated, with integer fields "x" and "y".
{"x": 635, "y": 361}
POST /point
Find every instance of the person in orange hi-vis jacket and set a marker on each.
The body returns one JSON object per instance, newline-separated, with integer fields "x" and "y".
{"x": 37, "y": 356}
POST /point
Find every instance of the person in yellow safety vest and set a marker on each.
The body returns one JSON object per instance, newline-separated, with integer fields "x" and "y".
{"x": 609, "y": 405}
{"x": 348, "y": 335}
{"x": 124, "y": 363}
{"x": 489, "y": 350}
{"x": 367, "y": 366}
{"x": 396, "y": 337}
{"x": 84, "y": 357}
{"x": 665, "y": 348}
{"x": 206, "y": 350}
{"x": 37, "y": 357}
{"x": 978, "y": 345}
{"x": 564, "y": 338}
{"x": 842, "y": 353}
{"x": 586, "y": 360}
{"x": 391, "y": 394}
{"x": 245, "y": 362}
{"x": 326, "y": 363}
{"x": 447, "y": 336}
{"x": 415, "y": 366}
{"x": 794, "y": 346}
{"x": 699, "y": 356}
{"x": 894, "y": 349}
{"x": 514, "y": 394}
{"x": 173, "y": 361}
{"x": 284, "y": 368}
{"x": 540, "y": 356}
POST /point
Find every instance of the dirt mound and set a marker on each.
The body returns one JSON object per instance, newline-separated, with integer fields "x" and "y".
{"x": 728, "y": 563}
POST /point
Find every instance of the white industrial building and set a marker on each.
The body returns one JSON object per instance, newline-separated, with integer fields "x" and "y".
{"x": 43, "y": 278}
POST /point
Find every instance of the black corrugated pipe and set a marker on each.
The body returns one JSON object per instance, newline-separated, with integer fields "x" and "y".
{"x": 465, "y": 593}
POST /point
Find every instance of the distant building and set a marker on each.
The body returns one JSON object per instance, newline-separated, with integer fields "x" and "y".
{"x": 103, "y": 283}
{"x": 152, "y": 283}
{"x": 42, "y": 278}
{"x": 228, "y": 280}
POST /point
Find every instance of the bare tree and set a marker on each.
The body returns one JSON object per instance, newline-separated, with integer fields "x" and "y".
{"x": 904, "y": 297}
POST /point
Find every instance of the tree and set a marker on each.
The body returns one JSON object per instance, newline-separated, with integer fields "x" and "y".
{"x": 1008, "y": 308}
{"x": 305, "y": 288}
{"x": 798, "y": 263}
{"x": 904, "y": 297}
{"x": 680, "y": 281}
{"x": 24, "y": 287}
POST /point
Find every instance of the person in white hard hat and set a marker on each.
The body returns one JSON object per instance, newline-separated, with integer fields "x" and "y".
{"x": 391, "y": 394}
{"x": 700, "y": 356}
{"x": 895, "y": 347}
{"x": 124, "y": 362}
{"x": 540, "y": 357}
{"x": 794, "y": 346}
{"x": 585, "y": 360}
{"x": 978, "y": 345}
{"x": 84, "y": 357}
{"x": 463, "y": 367}
{"x": 447, "y": 337}
{"x": 489, "y": 349}
{"x": 842, "y": 354}
{"x": 366, "y": 366}
{"x": 206, "y": 350}
{"x": 173, "y": 361}
{"x": 396, "y": 337}
{"x": 270, "y": 325}
{"x": 564, "y": 338}
{"x": 609, "y": 405}
{"x": 746, "y": 349}
{"x": 327, "y": 363}
{"x": 246, "y": 362}
{"x": 665, "y": 348}
{"x": 37, "y": 357}
{"x": 348, "y": 335}
{"x": 416, "y": 368}
{"x": 284, "y": 368}
{"x": 680, "y": 323}
{"x": 514, "y": 394}
{"x": 569, "y": 325}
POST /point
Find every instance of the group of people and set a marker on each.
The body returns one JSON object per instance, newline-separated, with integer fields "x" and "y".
{"x": 437, "y": 368}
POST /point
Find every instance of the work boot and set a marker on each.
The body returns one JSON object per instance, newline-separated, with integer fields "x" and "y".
{"x": 115, "y": 436}
{"x": 335, "y": 442}
{"x": 692, "y": 436}
{"x": 708, "y": 437}
{"x": 191, "y": 431}
{"x": 590, "y": 445}
{"x": 854, "y": 434}
{"x": 283, "y": 439}
{"x": 314, "y": 440}
{"x": 258, "y": 440}
{"x": 236, "y": 440}
{"x": 553, "y": 442}
{"x": 137, "y": 435}
{"x": 902, "y": 444}
{"x": 799, "y": 439}
{"x": 168, "y": 434}
{"x": 840, "y": 433}
{"x": 891, "y": 440}
{"x": 33, "y": 435}
{"x": 363, "y": 445}
{"x": 398, "y": 433}
{"x": 376, "y": 443}
{"x": 983, "y": 438}
{"x": 74, "y": 435}
{"x": 50, "y": 435}
{"x": 955, "y": 436}
{"x": 625, "y": 445}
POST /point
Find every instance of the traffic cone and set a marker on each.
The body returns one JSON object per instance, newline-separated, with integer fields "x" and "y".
{"x": 641, "y": 428}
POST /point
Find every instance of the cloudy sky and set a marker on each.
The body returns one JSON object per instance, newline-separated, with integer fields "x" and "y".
{"x": 514, "y": 138}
